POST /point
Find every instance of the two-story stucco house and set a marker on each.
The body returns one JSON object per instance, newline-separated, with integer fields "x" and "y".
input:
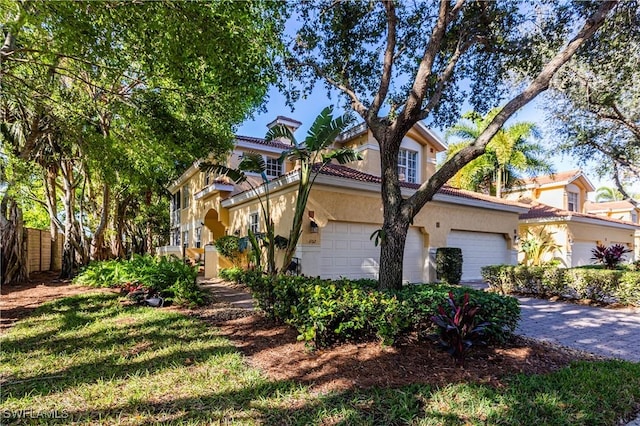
{"x": 345, "y": 208}
{"x": 559, "y": 203}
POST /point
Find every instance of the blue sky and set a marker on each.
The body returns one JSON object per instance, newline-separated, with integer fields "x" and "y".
{"x": 306, "y": 110}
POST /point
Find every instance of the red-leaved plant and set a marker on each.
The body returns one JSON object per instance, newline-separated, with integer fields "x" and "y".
{"x": 610, "y": 256}
{"x": 458, "y": 330}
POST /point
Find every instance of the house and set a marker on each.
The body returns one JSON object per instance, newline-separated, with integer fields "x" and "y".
{"x": 621, "y": 210}
{"x": 345, "y": 208}
{"x": 559, "y": 203}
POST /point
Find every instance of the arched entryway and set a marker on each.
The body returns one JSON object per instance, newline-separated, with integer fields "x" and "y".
{"x": 215, "y": 227}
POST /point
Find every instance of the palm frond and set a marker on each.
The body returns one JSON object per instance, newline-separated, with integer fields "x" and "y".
{"x": 221, "y": 170}
{"x": 252, "y": 162}
{"x": 325, "y": 129}
{"x": 280, "y": 131}
{"x": 342, "y": 156}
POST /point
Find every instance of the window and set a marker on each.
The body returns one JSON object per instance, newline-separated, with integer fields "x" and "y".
{"x": 176, "y": 237}
{"x": 198, "y": 236}
{"x": 408, "y": 166}
{"x": 572, "y": 201}
{"x": 186, "y": 195}
{"x": 175, "y": 201}
{"x": 208, "y": 179}
{"x": 185, "y": 238}
{"x": 254, "y": 222}
{"x": 634, "y": 217}
{"x": 273, "y": 167}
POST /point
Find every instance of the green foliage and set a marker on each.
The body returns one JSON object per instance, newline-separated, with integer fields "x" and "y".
{"x": 458, "y": 329}
{"x": 610, "y": 256}
{"x": 231, "y": 274}
{"x": 170, "y": 277}
{"x": 229, "y": 247}
{"x": 325, "y": 312}
{"x": 537, "y": 243}
{"x": 449, "y": 264}
{"x": 600, "y": 285}
{"x": 509, "y": 154}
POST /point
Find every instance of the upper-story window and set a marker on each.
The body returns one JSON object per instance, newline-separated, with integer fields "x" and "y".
{"x": 254, "y": 222}
{"x": 186, "y": 196}
{"x": 408, "y": 166}
{"x": 208, "y": 179}
{"x": 572, "y": 201}
{"x": 634, "y": 217}
{"x": 175, "y": 201}
{"x": 273, "y": 167}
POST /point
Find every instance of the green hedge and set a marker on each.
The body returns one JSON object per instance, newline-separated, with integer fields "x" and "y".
{"x": 601, "y": 285}
{"x": 325, "y": 312}
{"x": 169, "y": 276}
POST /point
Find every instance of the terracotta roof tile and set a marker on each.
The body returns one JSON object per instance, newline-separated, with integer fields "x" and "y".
{"x": 261, "y": 141}
{"x": 608, "y": 205}
{"x": 556, "y": 177}
{"x": 543, "y": 211}
{"x": 349, "y": 173}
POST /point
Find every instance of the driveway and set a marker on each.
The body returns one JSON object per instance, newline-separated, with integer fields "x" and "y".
{"x": 608, "y": 332}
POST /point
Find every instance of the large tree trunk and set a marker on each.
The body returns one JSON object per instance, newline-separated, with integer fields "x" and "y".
{"x": 13, "y": 256}
{"x": 68, "y": 199}
{"x": 97, "y": 242}
{"x": 395, "y": 222}
{"x": 119, "y": 217}
{"x": 51, "y": 175}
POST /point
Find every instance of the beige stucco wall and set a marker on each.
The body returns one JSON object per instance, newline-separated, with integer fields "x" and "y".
{"x": 566, "y": 232}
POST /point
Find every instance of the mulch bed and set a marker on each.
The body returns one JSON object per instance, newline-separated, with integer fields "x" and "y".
{"x": 274, "y": 348}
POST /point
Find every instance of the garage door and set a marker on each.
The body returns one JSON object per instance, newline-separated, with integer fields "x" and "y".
{"x": 581, "y": 253}
{"x": 348, "y": 252}
{"x": 479, "y": 249}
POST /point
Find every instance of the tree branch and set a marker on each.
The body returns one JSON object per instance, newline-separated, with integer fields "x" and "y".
{"x": 387, "y": 68}
{"x": 539, "y": 84}
{"x": 356, "y": 104}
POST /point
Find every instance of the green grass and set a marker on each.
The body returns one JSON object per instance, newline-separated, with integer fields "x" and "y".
{"x": 95, "y": 361}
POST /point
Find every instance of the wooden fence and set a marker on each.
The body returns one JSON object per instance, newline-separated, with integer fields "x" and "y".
{"x": 39, "y": 251}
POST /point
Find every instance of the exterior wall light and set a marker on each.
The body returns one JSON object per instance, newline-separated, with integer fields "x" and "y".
{"x": 313, "y": 227}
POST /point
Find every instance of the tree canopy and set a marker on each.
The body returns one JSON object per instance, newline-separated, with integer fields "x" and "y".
{"x": 400, "y": 62}
{"x": 111, "y": 100}
{"x": 594, "y": 105}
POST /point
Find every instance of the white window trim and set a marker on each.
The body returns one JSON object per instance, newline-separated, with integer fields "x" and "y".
{"x": 569, "y": 202}
{"x": 186, "y": 199}
{"x": 250, "y": 223}
{"x": 266, "y": 159}
{"x": 406, "y": 164}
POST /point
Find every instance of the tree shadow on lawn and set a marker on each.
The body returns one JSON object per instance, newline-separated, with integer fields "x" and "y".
{"x": 279, "y": 403}
{"x": 113, "y": 342}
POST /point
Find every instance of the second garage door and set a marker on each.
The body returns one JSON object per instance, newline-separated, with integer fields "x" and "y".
{"x": 479, "y": 249}
{"x": 348, "y": 252}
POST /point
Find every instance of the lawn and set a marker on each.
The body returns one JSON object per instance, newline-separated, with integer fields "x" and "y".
{"x": 92, "y": 360}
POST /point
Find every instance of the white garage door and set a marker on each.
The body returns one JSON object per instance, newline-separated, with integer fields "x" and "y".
{"x": 479, "y": 249}
{"x": 348, "y": 252}
{"x": 581, "y": 253}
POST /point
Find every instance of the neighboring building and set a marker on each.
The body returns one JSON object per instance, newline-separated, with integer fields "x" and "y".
{"x": 621, "y": 210}
{"x": 345, "y": 208}
{"x": 559, "y": 202}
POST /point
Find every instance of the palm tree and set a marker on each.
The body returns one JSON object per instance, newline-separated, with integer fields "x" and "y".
{"x": 312, "y": 155}
{"x": 509, "y": 154}
{"x": 607, "y": 193}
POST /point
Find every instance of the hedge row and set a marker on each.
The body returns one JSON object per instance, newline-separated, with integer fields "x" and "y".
{"x": 326, "y": 312}
{"x": 601, "y": 285}
{"x": 170, "y": 277}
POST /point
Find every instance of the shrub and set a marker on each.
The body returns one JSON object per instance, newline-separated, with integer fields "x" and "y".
{"x": 600, "y": 285}
{"x": 229, "y": 247}
{"x": 325, "y": 312}
{"x": 458, "y": 329}
{"x": 170, "y": 277}
{"x": 231, "y": 274}
{"x": 610, "y": 256}
{"x": 449, "y": 264}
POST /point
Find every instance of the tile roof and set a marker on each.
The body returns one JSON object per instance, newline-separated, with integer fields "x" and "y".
{"x": 543, "y": 211}
{"x": 608, "y": 205}
{"x": 349, "y": 173}
{"x": 556, "y": 177}
{"x": 261, "y": 141}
